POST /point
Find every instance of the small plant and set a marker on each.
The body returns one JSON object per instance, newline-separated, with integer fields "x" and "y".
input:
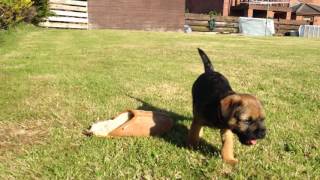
{"x": 212, "y": 21}
{"x": 213, "y": 13}
{"x": 13, "y": 12}
{"x": 42, "y": 9}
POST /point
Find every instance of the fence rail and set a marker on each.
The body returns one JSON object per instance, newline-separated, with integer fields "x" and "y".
{"x": 265, "y": 2}
{"x": 200, "y": 22}
{"x": 69, "y": 14}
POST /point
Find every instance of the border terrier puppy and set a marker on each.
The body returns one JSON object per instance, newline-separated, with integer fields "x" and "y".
{"x": 216, "y": 105}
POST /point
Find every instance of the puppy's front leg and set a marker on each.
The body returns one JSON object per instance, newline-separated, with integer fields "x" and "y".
{"x": 194, "y": 133}
{"x": 227, "y": 146}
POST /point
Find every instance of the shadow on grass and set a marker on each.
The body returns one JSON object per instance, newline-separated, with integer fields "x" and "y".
{"x": 178, "y": 134}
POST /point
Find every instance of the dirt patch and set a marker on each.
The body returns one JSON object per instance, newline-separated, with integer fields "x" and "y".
{"x": 164, "y": 89}
{"x": 15, "y": 138}
{"x": 195, "y": 68}
{"x": 44, "y": 77}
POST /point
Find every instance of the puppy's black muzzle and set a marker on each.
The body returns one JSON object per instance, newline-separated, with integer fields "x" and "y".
{"x": 260, "y": 133}
{"x": 248, "y": 137}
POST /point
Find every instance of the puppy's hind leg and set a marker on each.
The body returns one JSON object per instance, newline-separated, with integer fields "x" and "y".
{"x": 194, "y": 133}
{"x": 227, "y": 146}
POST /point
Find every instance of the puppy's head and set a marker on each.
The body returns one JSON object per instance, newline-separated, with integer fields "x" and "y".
{"x": 245, "y": 117}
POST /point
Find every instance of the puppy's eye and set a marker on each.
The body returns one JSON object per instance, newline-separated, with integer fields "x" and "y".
{"x": 248, "y": 121}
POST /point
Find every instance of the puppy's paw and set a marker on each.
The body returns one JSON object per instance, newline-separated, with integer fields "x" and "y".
{"x": 192, "y": 145}
{"x": 192, "y": 142}
{"x": 231, "y": 161}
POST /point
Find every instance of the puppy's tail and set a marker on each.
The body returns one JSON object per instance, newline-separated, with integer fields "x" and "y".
{"x": 206, "y": 61}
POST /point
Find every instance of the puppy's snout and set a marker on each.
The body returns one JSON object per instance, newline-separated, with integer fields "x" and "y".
{"x": 261, "y": 133}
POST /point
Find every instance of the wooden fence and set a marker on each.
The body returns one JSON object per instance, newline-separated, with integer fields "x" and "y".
{"x": 72, "y": 14}
{"x": 200, "y": 23}
{"x": 282, "y": 26}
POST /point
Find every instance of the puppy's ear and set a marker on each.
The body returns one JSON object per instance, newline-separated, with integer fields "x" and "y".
{"x": 229, "y": 105}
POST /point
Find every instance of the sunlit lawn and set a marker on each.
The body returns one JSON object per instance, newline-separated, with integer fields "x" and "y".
{"x": 55, "y": 83}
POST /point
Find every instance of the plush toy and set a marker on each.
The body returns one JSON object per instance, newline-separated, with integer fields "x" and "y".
{"x": 132, "y": 123}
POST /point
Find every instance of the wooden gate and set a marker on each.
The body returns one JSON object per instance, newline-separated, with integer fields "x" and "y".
{"x": 71, "y": 14}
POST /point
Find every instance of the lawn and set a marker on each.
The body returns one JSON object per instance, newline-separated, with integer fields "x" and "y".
{"x": 55, "y": 83}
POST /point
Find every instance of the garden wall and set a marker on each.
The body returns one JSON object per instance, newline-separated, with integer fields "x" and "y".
{"x": 136, "y": 14}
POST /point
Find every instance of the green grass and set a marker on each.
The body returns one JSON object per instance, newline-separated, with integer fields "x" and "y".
{"x": 55, "y": 83}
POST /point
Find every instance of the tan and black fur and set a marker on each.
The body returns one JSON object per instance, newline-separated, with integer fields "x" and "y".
{"x": 216, "y": 105}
